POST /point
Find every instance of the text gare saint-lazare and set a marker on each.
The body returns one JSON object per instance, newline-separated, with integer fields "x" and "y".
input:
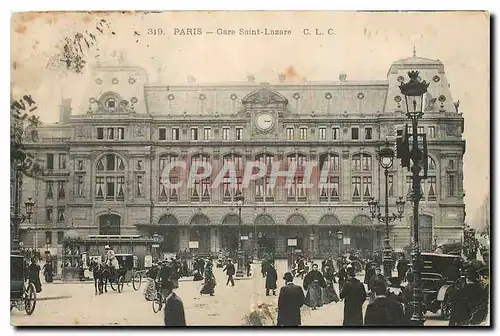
{"x": 241, "y": 31}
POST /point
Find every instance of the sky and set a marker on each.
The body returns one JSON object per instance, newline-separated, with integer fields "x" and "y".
{"x": 363, "y": 45}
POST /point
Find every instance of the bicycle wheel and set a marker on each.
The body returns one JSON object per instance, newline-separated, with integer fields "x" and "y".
{"x": 112, "y": 284}
{"x": 136, "y": 280}
{"x": 157, "y": 302}
{"x": 30, "y": 299}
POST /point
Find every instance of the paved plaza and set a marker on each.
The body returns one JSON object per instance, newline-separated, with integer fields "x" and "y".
{"x": 75, "y": 304}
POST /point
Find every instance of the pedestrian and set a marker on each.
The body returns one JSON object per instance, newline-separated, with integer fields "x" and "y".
{"x": 329, "y": 293}
{"x": 313, "y": 284}
{"x": 290, "y": 300}
{"x": 210, "y": 282}
{"x": 377, "y": 281}
{"x": 48, "y": 272}
{"x": 271, "y": 279}
{"x": 369, "y": 271}
{"x": 34, "y": 275}
{"x": 150, "y": 290}
{"x": 402, "y": 267}
{"x": 354, "y": 295}
{"x": 384, "y": 311}
{"x": 230, "y": 270}
{"x": 173, "y": 314}
{"x": 263, "y": 267}
{"x": 342, "y": 274}
{"x": 248, "y": 266}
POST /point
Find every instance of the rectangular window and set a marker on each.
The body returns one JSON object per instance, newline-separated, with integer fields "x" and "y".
{"x": 121, "y": 133}
{"x": 356, "y": 162}
{"x": 322, "y": 133}
{"x": 225, "y": 134}
{"x": 431, "y": 193}
{"x": 303, "y": 133}
{"x": 49, "y": 215}
{"x": 399, "y": 133}
{"x": 60, "y": 190}
{"x": 139, "y": 184}
{"x": 48, "y": 237}
{"x": 194, "y": 134}
{"x": 175, "y": 134}
{"x": 356, "y": 188}
{"x": 289, "y": 133}
{"x": 420, "y": 130}
{"x": 79, "y": 165}
{"x": 162, "y": 134}
{"x": 99, "y": 187}
{"x": 111, "y": 133}
{"x": 355, "y": 133}
{"x": 62, "y": 161}
{"x": 390, "y": 182}
{"x": 110, "y": 188}
{"x": 60, "y": 214}
{"x": 50, "y": 188}
{"x": 207, "y": 133}
{"x": 173, "y": 191}
{"x": 334, "y": 191}
{"x": 100, "y": 133}
{"x": 367, "y": 187}
{"x": 60, "y": 237}
{"x": 120, "y": 195}
{"x": 432, "y": 131}
{"x": 50, "y": 161}
{"x": 110, "y": 162}
{"x": 451, "y": 164}
{"x": 140, "y": 165}
{"x": 367, "y": 162}
{"x": 451, "y": 185}
{"x": 239, "y": 133}
{"x": 368, "y": 133}
{"x": 336, "y": 133}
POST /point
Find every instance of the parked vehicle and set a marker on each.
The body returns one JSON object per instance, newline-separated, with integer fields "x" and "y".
{"x": 22, "y": 291}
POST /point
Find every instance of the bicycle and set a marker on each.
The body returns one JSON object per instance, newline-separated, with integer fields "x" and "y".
{"x": 158, "y": 299}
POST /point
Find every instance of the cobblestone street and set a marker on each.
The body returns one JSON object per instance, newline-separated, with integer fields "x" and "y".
{"x": 76, "y": 304}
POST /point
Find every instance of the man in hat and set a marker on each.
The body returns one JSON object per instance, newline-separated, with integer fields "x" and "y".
{"x": 290, "y": 300}
{"x": 174, "y": 308}
{"x": 230, "y": 271}
{"x": 354, "y": 294}
{"x": 111, "y": 260}
{"x": 377, "y": 280}
{"x": 384, "y": 311}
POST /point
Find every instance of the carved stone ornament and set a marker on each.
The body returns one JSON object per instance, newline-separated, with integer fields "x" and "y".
{"x": 264, "y": 97}
{"x": 451, "y": 130}
{"x": 139, "y": 131}
{"x": 81, "y": 131}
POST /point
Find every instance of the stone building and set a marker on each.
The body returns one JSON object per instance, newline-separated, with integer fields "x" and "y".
{"x": 103, "y": 163}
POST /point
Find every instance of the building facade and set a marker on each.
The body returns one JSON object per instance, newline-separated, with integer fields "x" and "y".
{"x": 103, "y": 165}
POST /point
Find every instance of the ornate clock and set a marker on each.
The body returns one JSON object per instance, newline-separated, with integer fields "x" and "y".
{"x": 264, "y": 121}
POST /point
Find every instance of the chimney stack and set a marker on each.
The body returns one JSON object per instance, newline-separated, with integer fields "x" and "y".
{"x": 191, "y": 79}
{"x": 342, "y": 76}
{"x": 281, "y": 77}
{"x": 251, "y": 78}
{"x": 64, "y": 111}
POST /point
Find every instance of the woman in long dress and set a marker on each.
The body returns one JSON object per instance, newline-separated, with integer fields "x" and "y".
{"x": 210, "y": 283}
{"x": 149, "y": 291}
{"x": 313, "y": 284}
{"x": 330, "y": 295}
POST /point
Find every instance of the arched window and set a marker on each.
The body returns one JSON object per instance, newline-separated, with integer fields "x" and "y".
{"x": 296, "y": 191}
{"x": 329, "y": 177}
{"x": 200, "y": 187}
{"x": 264, "y": 190}
{"x": 110, "y": 178}
{"x": 232, "y": 188}
{"x": 361, "y": 180}
{"x": 109, "y": 224}
{"x": 166, "y": 192}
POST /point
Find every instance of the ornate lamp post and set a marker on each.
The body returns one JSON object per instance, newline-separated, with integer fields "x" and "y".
{"x": 239, "y": 203}
{"x": 414, "y": 158}
{"x": 255, "y": 247}
{"x": 17, "y": 218}
{"x": 311, "y": 238}
{"x": 157, "y": 239}
{"x": 386, "y": 160}
{"x": 340, "y": 236}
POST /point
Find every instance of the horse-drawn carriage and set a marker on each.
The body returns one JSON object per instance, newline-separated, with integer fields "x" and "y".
{"x": 22, "y": 291}
{"x": 116, "y": 278}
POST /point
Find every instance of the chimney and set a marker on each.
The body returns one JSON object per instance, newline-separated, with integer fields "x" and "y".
{"x": 251, "y": 78}
{"x": 342, "y": 76}
{"x": 281, "y": 77}
{"x": 191, "y": 79}
{"x": 64, "y": 111}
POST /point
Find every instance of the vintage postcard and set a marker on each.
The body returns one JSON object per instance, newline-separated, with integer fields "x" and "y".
{"x": 250, "y": 168}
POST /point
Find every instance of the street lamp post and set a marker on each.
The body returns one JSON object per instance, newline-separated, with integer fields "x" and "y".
{"x": 17, "y": 218}
{"x": 386, "y": 160}
{"x": 239, "y": 203}
{"x": 414, "y": 158}
{"x": 311, "y": 238}
{"x": 255, "y": 248}
{"x": 340, "y": 235}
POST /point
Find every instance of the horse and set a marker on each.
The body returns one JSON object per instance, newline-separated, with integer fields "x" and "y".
{"x": 99, "y": 275}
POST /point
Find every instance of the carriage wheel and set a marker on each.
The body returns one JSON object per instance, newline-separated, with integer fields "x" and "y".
{"x": 30, "y": 299}
{"x": 157, "y": 302}
{"x": 112, "y": 284}
{"x": 446, "y": 307}
{"x": 136, "y": 280}
{"x": 120, "y": 284}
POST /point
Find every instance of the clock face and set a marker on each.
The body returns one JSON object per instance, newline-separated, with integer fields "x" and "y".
{"x": 264, "y": 121}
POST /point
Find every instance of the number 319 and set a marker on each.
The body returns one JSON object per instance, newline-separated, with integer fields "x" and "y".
{"x": 155, "y": 31}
